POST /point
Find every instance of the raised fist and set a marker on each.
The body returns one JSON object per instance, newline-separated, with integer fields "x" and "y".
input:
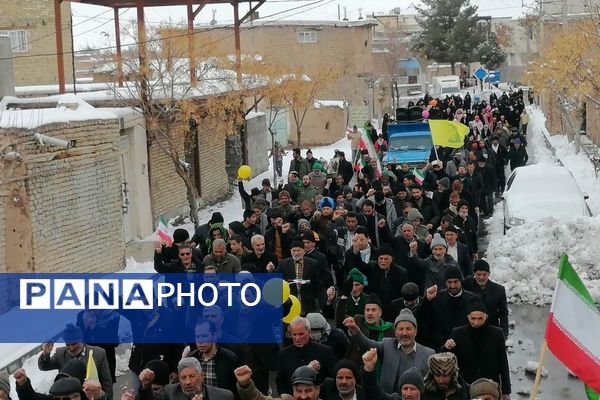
{"x": 350, "y": 324}
{"x": 146, "y": 377}
{"x": 47, "y": 348}
{"x": 370, "y": 359}
{"x": 432, "y": 292}
{"x": 243, "y": 374}
{"x": 20, "y": 376}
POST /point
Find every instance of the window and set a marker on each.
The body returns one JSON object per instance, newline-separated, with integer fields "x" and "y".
{"x": 307, "y": 37}
{"x": 18, "y": 40}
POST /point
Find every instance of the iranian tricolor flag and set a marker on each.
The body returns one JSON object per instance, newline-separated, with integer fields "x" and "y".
{"x": 419, "y": 176}
{"x": 163, "y": 232}
{"x": 365, "y": 143}
{"x": 573, "y": 327}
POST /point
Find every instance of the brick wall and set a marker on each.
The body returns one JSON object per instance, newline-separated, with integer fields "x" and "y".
{"x": 168, "y": 191}
{"x": 37, "y": 18}
{"x": 74, "y": 197}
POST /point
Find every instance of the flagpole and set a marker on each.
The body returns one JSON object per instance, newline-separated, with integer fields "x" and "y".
{"x": 538, "y": 374}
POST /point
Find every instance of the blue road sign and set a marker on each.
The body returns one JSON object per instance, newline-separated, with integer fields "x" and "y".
{"x": 494, "y": 77}
{"x": 480, "y": 73}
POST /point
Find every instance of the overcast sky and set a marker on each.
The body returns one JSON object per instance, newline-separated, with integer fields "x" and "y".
{"x": 93, "y": 25}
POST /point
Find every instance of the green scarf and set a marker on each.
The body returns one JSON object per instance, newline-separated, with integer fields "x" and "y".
{"x": 382, "y": 328}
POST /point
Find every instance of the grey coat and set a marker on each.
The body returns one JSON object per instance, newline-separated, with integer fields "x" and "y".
{"x": 390, "y": 209}
{"x": 61, "y": 356}
{"x": 229, "y": 265}
{"x": 389, "y": 354}
{"x": 173, "y": 392}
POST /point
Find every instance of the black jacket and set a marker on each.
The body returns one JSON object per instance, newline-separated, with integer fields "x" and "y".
{"x": 386, "y": 284}
{"x": 225, "y": 363}
{"x": 251, "y": 262}
{"x": 310, "y": 292}
{"x": 285, "y": 238}
{"x": 346, "y": 170}
{"x": 445, "y": 312}
{"x": 325, "y": 277}
{"x": 517, "y": 158}
{"x": 292, "y": 357}
{"x": 175, "y": 266}
{"x": 494, "y": 298}
{"x": 481, "y": 354}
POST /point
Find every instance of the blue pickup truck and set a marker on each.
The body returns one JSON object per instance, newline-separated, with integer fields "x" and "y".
{"x": 409, "y": 142}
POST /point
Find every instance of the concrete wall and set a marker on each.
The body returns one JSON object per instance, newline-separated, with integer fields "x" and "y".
{"x": 7, "y": 79}
{"x": 322, "y": 126}
{"x": 258, "y": 139}
{"x": 70, "y": 200}
{"x": 37, "y": 18}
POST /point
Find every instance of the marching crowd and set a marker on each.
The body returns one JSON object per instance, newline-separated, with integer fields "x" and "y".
{"x": 396, "y": 302}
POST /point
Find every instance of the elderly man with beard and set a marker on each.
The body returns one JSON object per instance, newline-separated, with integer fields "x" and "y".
{"x": 301, "y": 352}
{"x": 430, "y": 271}
{"x": 479, "y": 348}
{"x": 447, "y": 309}
{"x": 443, "y": 381}
{"x": 259, "y": 261}
{"x": 343, "y": 385}
{"x": 305, "y": 385}
{"x": 221, "y": 259}
{"x": 398, "y": 354}
{"x": 303, "y": 274}
{"x": 191, "y": 385}
{"x": 410, "y": 383}
{"x": 492, "y": 294}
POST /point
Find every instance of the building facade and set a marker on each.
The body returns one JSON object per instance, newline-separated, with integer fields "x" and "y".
{"x": 30, "y": 25}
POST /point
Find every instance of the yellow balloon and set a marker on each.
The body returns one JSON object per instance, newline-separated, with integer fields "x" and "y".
{"x": 286, "y": 290}
{"x": 244, "y": 172}
{"x": 294, "y": 310}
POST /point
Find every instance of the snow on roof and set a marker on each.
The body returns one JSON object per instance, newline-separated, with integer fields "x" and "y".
{"x": 69, "y": 108}
{"x": 330, "y": 103}
{"x": 253, "y": 114}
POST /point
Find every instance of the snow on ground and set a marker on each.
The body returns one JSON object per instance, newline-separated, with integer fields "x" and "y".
{"x": 526, "y": 259}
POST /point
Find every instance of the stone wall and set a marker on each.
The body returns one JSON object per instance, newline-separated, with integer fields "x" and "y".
{"x": 36, "y": 17}
{"x": 321, "y": 126}
{"x": 71, "y": 201}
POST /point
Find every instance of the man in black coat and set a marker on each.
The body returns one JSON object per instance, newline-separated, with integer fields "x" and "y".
{"x": 343, "y": 385}
{"x": 279, "y": 235}
{"x": 385, "y": 278}
{"x": 459, "y": 251}
{"x": 260, "y": 261}
{"x": 492, "y": 294}
{"x": 475, "y": 182}
{"x": 310, "y": 251}
{"x": 301, "y": 352}
{"x": 500, "y": 162}
{"x": 378, "y": 229}
{"x": 490, "y": 182}
{"x": 517, "y": 155}
{"x": 447, "y": 309}
{"x": 305, "y": 271}
{"x": 479, "y": 348}
{"x": 345, "y": 168}
{"x": 187, "y": 261}
{"x": 217, "y": 362}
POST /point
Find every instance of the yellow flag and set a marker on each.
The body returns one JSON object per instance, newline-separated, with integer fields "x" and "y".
{"x": 91, "y": 373}
{"x": 448, "y": 133}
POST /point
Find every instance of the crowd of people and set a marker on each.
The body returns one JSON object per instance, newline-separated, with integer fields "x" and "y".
{"x": 396, "y": 302}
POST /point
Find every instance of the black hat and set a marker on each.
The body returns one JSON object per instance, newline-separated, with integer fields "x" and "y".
{"x": 306, "y": 375}
{"x": 297, "y": 243}
{"x": 348, "y": 364}
{"x": 72, "y": 334}
{"x": 255, "y": 191}
{"x": 309, "y": 235}
{"x": 180, "y": 235}
{"x": 481, "y": 265}
{"x": 74, "y": 368}
{"x": 161, "y": 371}
{"x": 266, "y": 182}
{"x": 65, "y": 387}
{"x": 412, "y": 376}
{"x": 452, "y": 228}
{"x": 374, "y": 299}
{"x": 476, "y": 304}
{"x": 275, "y": 213}
{"x": 409, "y": 291}
{"x": 385, "y": 250}
{"x": 462, "y": 203}
{"x": 453, "y": 272}
{"x": 215, "y": 218}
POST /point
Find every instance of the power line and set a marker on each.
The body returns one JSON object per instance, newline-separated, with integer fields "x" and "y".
{"x": 317, "y": 3}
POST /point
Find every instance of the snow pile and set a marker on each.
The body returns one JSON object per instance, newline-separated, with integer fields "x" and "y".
{"x": 526, "y": 259}
{"x": 40, "y": 380}
{"x": 134, "y": 267}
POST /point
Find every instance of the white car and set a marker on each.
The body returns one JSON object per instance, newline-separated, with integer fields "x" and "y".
{"x": 542, "y": 190}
